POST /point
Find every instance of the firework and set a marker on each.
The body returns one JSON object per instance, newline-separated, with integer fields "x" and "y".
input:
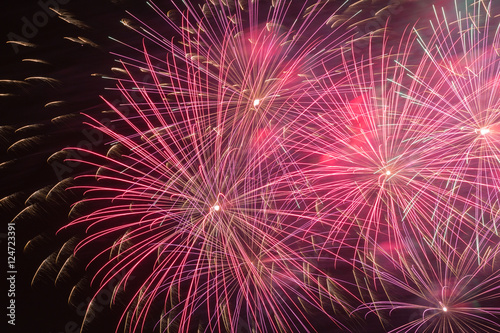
{"x": 449, "y": 285}
{"x": 197, "y": 191}
{"x": 367, "y": 151}
{"x": 217, "y": 225}
{"x": 405, "y": 142}
{"x": 248, "y": 60}
{"x": 460, "y": 92}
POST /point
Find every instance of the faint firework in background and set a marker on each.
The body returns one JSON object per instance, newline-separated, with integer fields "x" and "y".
{"x": 436, "y": 286}
{"x": 275, "y": 166}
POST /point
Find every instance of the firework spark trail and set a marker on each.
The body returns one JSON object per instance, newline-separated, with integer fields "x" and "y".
{"x": 197, "y": 189}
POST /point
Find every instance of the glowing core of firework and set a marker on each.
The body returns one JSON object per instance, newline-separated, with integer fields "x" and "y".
{"x": 484, "y": 131}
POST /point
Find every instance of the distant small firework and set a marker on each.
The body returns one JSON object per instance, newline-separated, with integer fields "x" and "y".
{"x": 439, "y": 286}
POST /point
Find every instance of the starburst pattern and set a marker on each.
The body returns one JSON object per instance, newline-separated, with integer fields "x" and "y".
{"x": 198, "y": 188}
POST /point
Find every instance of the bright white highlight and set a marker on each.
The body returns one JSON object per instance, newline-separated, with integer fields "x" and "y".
{"x": 484, "y": 131}
{"x": 445, "y": 309}
{"x": 216, "y": 207}
{"x": 256, "y": 102}
{"x": 388, "y": 173}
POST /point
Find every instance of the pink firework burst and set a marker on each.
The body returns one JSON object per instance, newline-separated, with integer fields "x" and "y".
{"x": 249, "y": 59}
{"x": 368, "y": 151}
{"x": 461, "y": 93}
{"x": 405, "y": 141}
{"x": 195, "y": 202}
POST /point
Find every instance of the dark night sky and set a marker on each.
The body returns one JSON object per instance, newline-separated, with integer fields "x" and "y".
{"x": 44, "y": 308}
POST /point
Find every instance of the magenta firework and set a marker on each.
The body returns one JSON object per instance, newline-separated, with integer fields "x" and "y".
{"x": 404, "y": 141}
{"x": 278, "y": 169}
{"x": 368, "y": 149}
{"x": 198, "y": 191}
{"x": 460, "y": 95}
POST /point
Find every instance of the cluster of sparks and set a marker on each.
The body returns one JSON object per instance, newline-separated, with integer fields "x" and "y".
{"x": 270, "y": 176}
